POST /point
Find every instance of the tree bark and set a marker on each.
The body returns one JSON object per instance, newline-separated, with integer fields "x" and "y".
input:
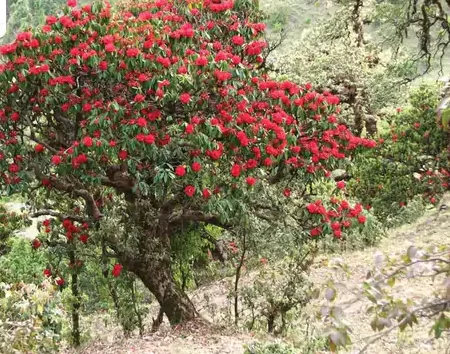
{"x": 152, "y": 264}
{"x": 76, "y": 335}
{"x": 158, "y": 278}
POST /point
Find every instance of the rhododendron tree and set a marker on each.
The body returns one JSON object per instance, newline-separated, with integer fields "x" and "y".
{"x": 160, "y": 113}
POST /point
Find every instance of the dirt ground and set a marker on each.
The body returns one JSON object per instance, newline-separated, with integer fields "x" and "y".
{"x": 201, "y": 338}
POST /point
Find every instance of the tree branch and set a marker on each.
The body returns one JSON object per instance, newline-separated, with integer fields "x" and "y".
{"x": 198, "y": 216}
{"x": 58, "y": 215}
{"x": 92, "y": 208}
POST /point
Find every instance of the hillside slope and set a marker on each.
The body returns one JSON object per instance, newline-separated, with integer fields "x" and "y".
{"x": 201, "y": 338}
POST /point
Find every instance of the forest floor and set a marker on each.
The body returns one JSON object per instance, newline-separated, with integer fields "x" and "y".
{"x": 204, "y": 338}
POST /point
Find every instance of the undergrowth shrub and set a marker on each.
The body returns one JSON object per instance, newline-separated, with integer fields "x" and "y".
{"x": 310, "y": 345}
{"x": 271, "y": 348}
{"x": 30, "y": 319}
{"x": 22, "y": 263}
{"x": 277, "y": 292}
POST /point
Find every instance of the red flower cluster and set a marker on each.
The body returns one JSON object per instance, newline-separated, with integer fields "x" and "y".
{"x": 339, "y": 216}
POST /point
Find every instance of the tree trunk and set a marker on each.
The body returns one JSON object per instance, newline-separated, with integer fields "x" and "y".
{"x": 152, "y": 265}
{"x": 76, "y": 335}
{"x": 174, "y": 302}
{"x": 157, "y": 322}
{"x": 270, "y": 323}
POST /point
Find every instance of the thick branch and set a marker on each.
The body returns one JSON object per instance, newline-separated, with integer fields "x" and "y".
{"x": 58, "y": 215}
{"x": 198, "y": 216}
{"x": 57, "y": 184}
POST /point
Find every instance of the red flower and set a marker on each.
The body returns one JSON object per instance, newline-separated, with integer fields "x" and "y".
{"x": 344, "y": 204}
{"x": 222, "y": 75}
{"x": 71, "y": 3}
{"x": 201, "y": 61}
{"x": 149, "y": 139}
{"x": 316, "y": 231}
{"x": 185, "y": 98}
{"x": 60, "y": 281}
{"x": 15, "y": 117}
{"x": 87, "y": 141}
{"x": 38, "y": 148}
{"x": 206, "y": 193}
{"x": 340, "y": 185}
{"x": 117, "y": 269}
{"x": 236, "y": 170}
{"x": 312, "y": 208}
{"x": 287, "y": 192}
{"x": 335, "y": 226}
{"x": 139, "y": 98}
{"x": 196, "y": 166}
{"x": 47, "y": 273}
{"x": 110, "y": 48}
{"x": 51, "y": 20}
{"x": 189, "y": 191}
{"x": 237, "y": 40}
{"x": 361, "y": 219}
{"x": 36, "y": 243}
{"x": 56, "y": 160}
{"x": 132, "y": 52}
{"x": 103, "y": 65}
{"x": 189, "y": 129}
{"x": 13, "y": 168}
{"x": 250, "y": 181}
{"x": 87, "y": 107}
{"x": 123, "y": 154}
{"x": 337, "y": 233}
{"x": 346, "y": 223}
{"x": 180, "y": 171}
{"x": 84, "y": 238}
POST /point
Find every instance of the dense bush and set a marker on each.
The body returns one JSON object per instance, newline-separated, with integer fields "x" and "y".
{"x": 411, "y": 160}
{"x": 22, "y": 263}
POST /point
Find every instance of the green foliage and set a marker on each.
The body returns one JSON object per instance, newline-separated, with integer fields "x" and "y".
{"x": 190, "y": 250}
{"x": 22, "y": 263}
{"x": 30, "y": 321}
{"x": 410, "y": 161}
{"x": 277, "y": 292}
{"x": 129, "y": 306}
{"x": 278, "y": 18}
{"x": 9, "y": 222}
{"x": 270, "y": 348}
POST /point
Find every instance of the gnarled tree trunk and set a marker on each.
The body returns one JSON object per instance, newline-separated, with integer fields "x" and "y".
{"x": 158, "y": 278}
{"x": 151, "y": 263}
